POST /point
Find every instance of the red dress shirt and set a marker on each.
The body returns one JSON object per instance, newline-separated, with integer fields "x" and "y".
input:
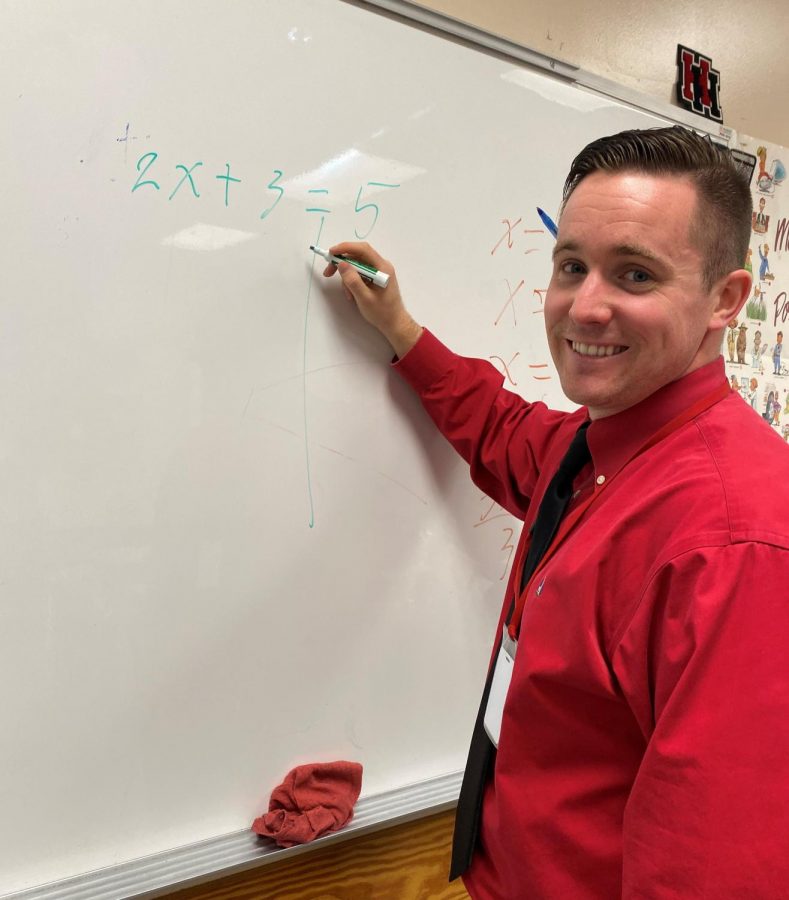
{"x": 644, "y": 748}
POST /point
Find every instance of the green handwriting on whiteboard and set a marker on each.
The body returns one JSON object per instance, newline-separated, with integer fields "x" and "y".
{"x": 227, "y": 178}
{"x": 273, "y": 186}
{"x": 187, "y": 174}
{"x": 318, "y": 209}
{"x": 151, "y": 157}
{"x": 367, "y": 212}
{"x": 372, "y": 206}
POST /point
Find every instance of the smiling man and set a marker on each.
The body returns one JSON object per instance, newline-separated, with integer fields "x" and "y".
{"x": 630, "y": 305}
{"x": 633, "y": 735}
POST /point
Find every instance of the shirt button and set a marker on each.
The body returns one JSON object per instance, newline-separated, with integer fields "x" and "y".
{"x": 601, "y": 479}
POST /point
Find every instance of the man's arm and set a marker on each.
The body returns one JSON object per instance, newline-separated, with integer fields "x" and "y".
{"x": 703, "y": 665}
{"x": 505, "y": 440}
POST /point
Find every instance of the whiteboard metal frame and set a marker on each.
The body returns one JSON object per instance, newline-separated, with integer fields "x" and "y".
{"x": 205, "y": 861}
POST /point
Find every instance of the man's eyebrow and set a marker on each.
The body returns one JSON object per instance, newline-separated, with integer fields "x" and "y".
{"x": 620, "y": 250}
{"x": 561, "y": 246}
{"x": 637, "y": 250}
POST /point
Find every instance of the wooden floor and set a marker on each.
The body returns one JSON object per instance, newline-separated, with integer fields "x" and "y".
{"x": 407, "y": 862}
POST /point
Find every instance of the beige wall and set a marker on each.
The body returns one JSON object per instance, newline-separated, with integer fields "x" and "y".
{"x": 635, "y": 44}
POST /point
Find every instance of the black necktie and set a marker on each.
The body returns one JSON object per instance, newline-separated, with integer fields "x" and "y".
{"x": 482, "y": 753}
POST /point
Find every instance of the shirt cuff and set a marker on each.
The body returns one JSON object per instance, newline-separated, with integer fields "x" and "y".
{"x": 426, "y": 362}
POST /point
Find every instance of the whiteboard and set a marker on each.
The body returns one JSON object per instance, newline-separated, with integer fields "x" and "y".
{"x": 232, "y": 542}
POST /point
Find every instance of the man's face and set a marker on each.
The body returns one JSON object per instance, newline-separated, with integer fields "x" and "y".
{"x": 626, "y": 311}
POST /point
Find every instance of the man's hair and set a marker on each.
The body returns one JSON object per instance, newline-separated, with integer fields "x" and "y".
{"x": 721, "y": 223}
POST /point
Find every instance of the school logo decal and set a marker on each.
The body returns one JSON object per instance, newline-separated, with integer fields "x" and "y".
{"x": 698, "y": 84}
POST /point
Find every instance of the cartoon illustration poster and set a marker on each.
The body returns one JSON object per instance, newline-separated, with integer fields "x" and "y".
{"x": 756, "y": 361}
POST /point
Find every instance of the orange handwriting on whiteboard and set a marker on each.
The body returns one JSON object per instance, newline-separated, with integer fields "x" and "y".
{"x": 509, "y": 301}
{"x": 494, "y": 511}
{"x": 539, "y": 367}
{"x": 505, "y": 368}
{"x": 507, "y": 236}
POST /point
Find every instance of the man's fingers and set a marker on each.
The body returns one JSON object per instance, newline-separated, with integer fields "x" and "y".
{"x": 363, "y": 252}
{"x": 354, "y": 285}
{"x": 353, "y": 280}
{"x": 382, "y": 307}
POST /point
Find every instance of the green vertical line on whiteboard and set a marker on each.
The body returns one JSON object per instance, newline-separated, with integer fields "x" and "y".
{"x": 304, "y": 377}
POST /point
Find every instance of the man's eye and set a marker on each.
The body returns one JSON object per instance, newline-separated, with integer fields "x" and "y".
{"x": 638, "y": 276}
{"x": 572, "y": 268}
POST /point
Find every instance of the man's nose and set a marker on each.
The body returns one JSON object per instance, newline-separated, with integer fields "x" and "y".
{"x": 591, "y": 301}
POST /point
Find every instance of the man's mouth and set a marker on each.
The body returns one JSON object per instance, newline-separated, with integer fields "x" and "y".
{"x": 596, "y": 350}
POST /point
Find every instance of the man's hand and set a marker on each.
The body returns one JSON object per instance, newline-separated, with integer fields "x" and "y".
{"x": 381, "y": 307}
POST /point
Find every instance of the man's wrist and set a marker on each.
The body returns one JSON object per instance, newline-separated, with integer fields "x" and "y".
{"x": 404, "y": 336}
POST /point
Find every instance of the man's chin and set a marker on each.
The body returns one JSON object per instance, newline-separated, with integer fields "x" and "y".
{"x": 600, "y": 402}
{"x": 582, "y": 393}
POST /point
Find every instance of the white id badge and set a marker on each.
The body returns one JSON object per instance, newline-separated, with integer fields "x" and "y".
{"x": 502, "y": 675}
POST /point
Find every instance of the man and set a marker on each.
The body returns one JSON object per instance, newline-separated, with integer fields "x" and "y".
{"x": 643, "y": 742}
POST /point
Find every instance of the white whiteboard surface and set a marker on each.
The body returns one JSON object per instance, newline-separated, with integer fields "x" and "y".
{"x": 232, "y": 542}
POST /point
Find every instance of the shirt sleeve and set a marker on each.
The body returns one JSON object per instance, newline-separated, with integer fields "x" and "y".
{"x": 703, "y": 665}
{"x": 504, "y": 439}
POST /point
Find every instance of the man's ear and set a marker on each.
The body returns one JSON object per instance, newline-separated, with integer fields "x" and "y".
{"x": 731, "y": 293}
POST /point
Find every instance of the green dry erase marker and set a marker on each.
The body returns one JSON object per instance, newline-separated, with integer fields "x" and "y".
{"x": 368, "y": 272}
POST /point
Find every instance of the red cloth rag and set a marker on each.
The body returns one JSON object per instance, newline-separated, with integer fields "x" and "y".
{"x": 314, "y": 799}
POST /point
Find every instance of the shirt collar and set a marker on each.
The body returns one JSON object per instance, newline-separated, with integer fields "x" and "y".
{"x": 614, "y": 440}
